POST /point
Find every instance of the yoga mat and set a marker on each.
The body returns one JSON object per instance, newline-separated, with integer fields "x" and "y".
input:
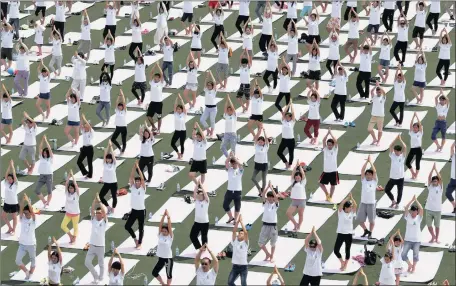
{"x": 88, "y": 278}
{"x": 123, "y": 205}
{"x": 324, "y": 53}
{"x": 390, "y": 80}
{"x": 70, "y": 37}
{"x": 351, "y": 114}
{"x": 20, "y": 187}
{"x": 188, "y": 154}
{"x": 4, "y": 151}
{"x": 146, "y": 28}
{"x": 274, "y": 17}
{"x": 195, "y": 4}
{"x": 205, "y": 64}
{"x": 58, "y": 112}
{"x": 181, "y": 43}
{"x": 150, "y": 241}
{"x": 97, "y": 171}
{"x": 346, "y": 59}
{"x": 282, "y": 182}
{"x": 248, "y": 113}
{"x": 382, "y": 228}
{"x": 133, "y": 102}
{"x": 299, "y": 110}
{"x": 179, "y": 80}
{"x": 386, "y": 140}
{"x": 363, "y": 23}
{"x": 122, "y": 41}
{"x": 217, "y": 241}
{"x": 162, "y": 173}
{"x": 332, "y": 264}
{"x": 428, "y": 99}
{"x": 34, "y": 90}
{"x": 305, "y": 156}
{"x": 65, "y": 74}
{"x": 445, "y": 154}
{"x": 286, "y": 249}
{"x": 258, "y": 66}
{"x": 447, "y": 207}
{"x": 340, "y": 193}
{"x": 173, "y": 14}
{"x": 327, "y": 282}
{"x": 233, "y": 84}
{"x": 99, "y": 23}
{"x": 48, "y": 5}
{"x": 126, "y": 11}
{"x": 280, "y": 50}
{"x": 58, "y": 199}
{"x": 368, "y": 100}
{"x": 79, "y": 7}
{"x": 134, "y": 146}
{"x": 39, "y": 220}
{"x": 410, "y": 59}
{"x": 220, "y": 125}
{"x": 452, "y": 128}
{"x": 237, "y": 36}
{"x": 446, "y": 238}
{"x": 325, "y": 91}
{"x": 407, "y": 119}
{"x": 214, "y": 179}
{"x": 353, "y": 163}
{"x": 85, "y": 231}
{"x": 130, "y": 117}
{"x": 450, "y": 83}
{"x": 209, "y": 19}
{"x": 59, "y": 161}
{"x": 426, "y": 167}
{"x": 448, "y": 28}
{"x": 168, "y": 127}
{"x": 256, "y": 278}
{"x": 425, "y": 270}
{"x": 203, "y": 28}
{"x": 120, "y": 75}
{"x": 233, "y": 45}
{"x": 407, "y": 195}
{"x": 250, "y": 212}
{"x": 97, "y": 138}
{"x": 427, "y": 45}
{"x": 322, "y": 132}
{"x": 243, "y": 152}
{"x": 177, "y": 208}
{"x": 265, "y": 89}
{"x": 272, "y": 130}
{"x": 96, "y": 56}
{"x": 186, "y": 274}
{"x": 313, "y": 216}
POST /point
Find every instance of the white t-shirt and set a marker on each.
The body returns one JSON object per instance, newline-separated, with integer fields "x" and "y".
{"x": 420, "y": 18}
{"x": 387, "y": 276}
{"x": 378, "y": 105}
{"x": 365, "y": 62}
{"x": 288, "y": 129}
{"x": 314, "y": 63}
{"x": 73, "y": 111}
{"x": 333, "y": 51}
{"x": 397, "y": 251}
{"x": 314, "y": 109}
{"x": 210, "y": 97}
{"x": 14, "y": 10}
{"x": 435, "y": 6}
{"x": 345, "y": 222}
{"x": 164, "y": 246}
{"x": 218, "y": 20}
{"x": 399, "y": 91}
{"x": 312, "y": 266}
{"x": 230, "y": 123}
{"x": 330, "y": 159}
{"x": 292, "y": 10}
{"x": 7, "y": 109}
{"x": 205, "y": 278}
{"x": 168, "y": 53}
{"x": 442, "y": 110}
{"x": 272, "y": 61}
{"x": 120, "y": 119}
{"x": 420, "y": 72}
{"x": 374, "y": 16}
{"x": 111, "y": 17}
{"x": 156, "y": 89}
{"x": 368, "y": 189}
{"x": 10, "y": 193}
{"x": 97, "y": 237}
{"x": 39, "y": 39}
{"x": 434, "y": 199}
{"x": 45, "y": 166}
{"x": 257, "y": 105}
{"x": 235, "y": 179}
{"x": 7, "y": 39}
{"x": 56, "y": 48}
{"x": 284, "y": 83}
{"x": 244, "y": 8}
{"x": 298, "y": 190}
{"x": 192, "y": 76}
{"x": 199, "y": 150}
{"x": 413, "y": 228}
{"x": 453, "y": 168}
{"x": 22, "y": 62}
{"x": 79, "y": 68}
{"x": 109, "y": 54}
{"x": 389, "y": 4}
{"x": 223, "y": 55}
{"x": 87, "y": 137}
{"x": 162, "y": 20}
{"x": 415, "y": 139}
{"x": 146, "y": 149}
{"x": 267, "y": 26}
{"x": 402, "y": 33}
{"x": 105, "y": 92}
{"x": 196, "y": 41}
{"x": 261, "y": 154}
{"x": 140, "y": 73}
{"x": 336, "y": 7}
{"x": 313, "y": 28}
{"x": 54, "y": 271}
{"x": 240, "y": 249}
{"x": 385, "y": 52}
{"x": 179, "y": 121}
{"x": 109, "y": 173}
{"x": 60, "y": 12}
{"x": 292, "y": 45}
{"x": 244, "y": 75}
{"x": 397, "y": 166}
{"x": 341, "y": 84}
{"x": 445, "y": 51}
{"x": 136, "y": 35}
{"x": 270, "y": 212}
{"x": 72, "y": 203}
{"x": 247, "y": 41}
{"x": 85, "y": 32}
{"x": 353, "y": 30}
{"x": 30, "y": 136}
{"x": 202, "y": 211}
{"x": 116, "y": 279}
{"x": 27, "y": 236}
{"x": 138, "y": 195}
{"x": 188, "y": 7}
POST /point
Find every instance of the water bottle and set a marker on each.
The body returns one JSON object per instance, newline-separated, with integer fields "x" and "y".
{"x": 276, "y": 37}
{"x": 91, "y": 79}
{"x": 161, "y": 155}
{"x": 299, "y": 137}
{"x": 311, "y": 195}
{"x": 178, "y": 187}
{"x": 90, "y": 210}
{"x": 101, "y": 44}
{"x": 12, "y": 91}
{"x": 76, "y": 281}
{"x": 148, "y": 47}
{"x": 150, "y": 215}
{"x": 145, "y": 281}
{"x": 125, "y": 61}
{"x": 177, "y": 251}
{"x": 180, "y": 67}
{"x": 69, "y": 41}
{"x": 216, "y": 220}
{"x": 17, "y": 169}
{"x": 113, "y": 246}
{"x": 49, "y": 240}
{"x": 285, "y": 230}
{"x": 238, "y": 138}
{"x": 269, "y": 165}
{"x": 349, "y": 99}
{"x": 125, "y": 29}
{"x": 213, "y": 160}
{"x": 231, "y": 71}
{"x": 151, "y": 15}
{"x": 357, "y": 145}
{"x": 65, "y": 175}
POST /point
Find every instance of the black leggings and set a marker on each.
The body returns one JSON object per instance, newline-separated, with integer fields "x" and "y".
{"x": 180, "y": 135}
{"x": 198, "y": 228}
{"x": 264, "y": 42}
{"x": 4, "y": 8}
{"x": 328, "y": 65}
{"x": 363, "y": 77}
{"x": 433, "y": 17}
{"x": 347, "y": 12}
{"x": 142, "y": 89}
{"x": 280, "y": 3}
{"x": 274, "y": 74}
{"x": 111, "y": 28}
{"x": 241, "y": 20}
{"x": 393, "y": 108}
{"x": 341, "y": 238}
{"x": 86, "y": 152}
{"x": 406, "y": 8}
{"x": 281, "y": 95}
{"x": 418, "y": 152}
{"x": 387, "y": 19}
{"x": 286, "y": 143}
{"x": 216, "y": 34}
{"x": 139, "y": 215}
{"x": 338, "y": 99}
{"x": 111, "y": 69}
{"x": 120, "y": 130}
{"x": 400, "y": 46}
{"x": 400, "y": 187}
{"x": 149, "y": 163}
{"x": 104, "y": 190}
{"x": 443, "y": 64}
{"x": 132, "y": 50}
{"x": 60, "y": 27}
{"x": 310, "y": 280}
{"x": 287, "y": 22}
{"x": 164, "y": 262}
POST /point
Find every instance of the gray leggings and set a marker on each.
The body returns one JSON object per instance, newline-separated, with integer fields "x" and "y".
{"x": 44, "y": 180}
{"x": 15, "y": 23}
{"x": 84, "y": 47}
{"x": 106, "y": 106}
{"x": 209, "y": 112}
{"x": 259, "y": 9}
{"x": 22, "y": 251}
{"x": 264, "y": 174}
{"x": 229, "y": 138}
{"x": 97, "y": 251}
{"x": 56, "y": 60}
{"x": 293, "y": 58}
{"x": 168, "y": 66}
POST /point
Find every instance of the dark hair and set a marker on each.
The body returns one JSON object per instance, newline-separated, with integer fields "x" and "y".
{"x": 232, "y": 161}
{"x": 397, "y": 148}
{"x": 5, "y": 95}
{"x": 366, "y": 47}
{"x": 98, "y": 209}
{"x": 109, "y": 156}
{"x": 256, "y": 91}
{"x": 12, "y": 177}
{"x": 416, "y": 124}
{"x": 208, "y": 260}
{"x": 55, "y": 33}
{"x": 71, "y": 184}
{"x": 347, "y": 204}
{"x": 313, "y": 14}
{"x": 397, "y": 238}
{"x": 81, "y": 55}
{"x": 189, "y": 65}
{"x": 442, "y": 97}
{"x": 180, "y": 106}
{"x": 369, "y": 172}
{"x": 73, "y": 96}
{"x": 288, "y": 114}
{"x": 435, "y": 178}
{"x": 421, "y": 4}
{"x": 414, "y": 208}
{"x": 244, "y": 61}
{"x": 218, "y": 10}
{"x": 296, "y": 174}
{"x": 270, "y": 195}
{"x": 261, "y": 138}
{"x": 120, "y": 104}
{"x": 46, "y": 150}
{"x": 43, "y": 70}
{"x": 198, "y": 134}
{"x": 311, "y": 53}
{"x": 26, "y": 208}
{"x": 313, "y": 243}
{"x": 109, "y": 39}
{"x": 164, "y": 227}
{"x": 144, "y": 137}
{"x": 54, "y": 253}
{"x": 140, "y": 58}
{"x": 137, "y": 179}
{"x": 389, "y": 255}
{"x": 330, "y": 141}
{"x": 157, "y": 74}
{"x": 116, "y": 265}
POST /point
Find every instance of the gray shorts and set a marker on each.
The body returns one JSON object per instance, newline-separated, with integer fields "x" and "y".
{"x": 298, "y": 203}
{"x": 366, "y": 211}
{"x": 44, "y": 180}
{"x": 222, "y": 71}
{"x": 268, "y": 233}
{"x": 28, "y": 150}
{"x": 432, "y": 216}
{"x": 24, "y": 250}
{"x": 385, "y": 63}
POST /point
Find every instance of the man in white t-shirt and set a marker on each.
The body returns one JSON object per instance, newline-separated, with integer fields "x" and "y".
{"x": 396, "y": 171}
{"x": 452, "y": 185}
{"x": 155, "y": 106}
{"x": 27, "y": 239}
{"x": 29, "y": 146}
{"x": 240, "y": 246}
{"x": 330, "y": 174}
{"x": 112, "y": 10}
{"x": 365, "y": 66}
{"x": 269, "y": 231}
{"x": 412, "y": 240}
{"x": 234, "y": 190}
{"x": 340, "y": 92}
{"x": 244, "y": 15}
{"x": 79, "y": 74}
{"x": 205, "y": 274}
{"x": 378, "y": 95}
{"x": 137, "y": 200}
{"x": 201, "y": 225}
{"x": 434, "y": 204}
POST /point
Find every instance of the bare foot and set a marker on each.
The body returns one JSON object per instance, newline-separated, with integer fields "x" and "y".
{"x": 267, "y": 257}
{"x": 271, "y": 259}
{"x": 374, "y": 142}
{"x": 432, "y": 240}
{"x": 342, "y": 265}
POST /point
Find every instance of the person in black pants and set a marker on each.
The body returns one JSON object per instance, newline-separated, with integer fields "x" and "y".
{"x": 201, "y": 224}
{"x": 86, "y": 150}
{"x": 164, "y": 251}
{"x": 288, "y": 141}
{"x": 399, "y": 97}
{"x": 146, "y": 153}
{"x": 416, "y": 151}
{"x": 340, "y": 92}
{"x": 401, "y": 43}
{"x": 387, "y": 17}
{"x": 219, "y": 29}
{"x": 433, "y": 18}
{"x": 271, "y": 52}
{"x": 242, "y": 19}
{"x": 136, "y": 45}
{"x": 444, "y": 56}
{"x": 364, "y": 74}
{"x": 121, "y": 123}
{"x": 346, "y": 213}
{"x": 347, "y": 13}
{"x": 138, "y": 209}
{"x": 406, "y": 6}
{"x": 396, "y": 172}
{"x": 109, "y": 178}
{"x": 4, "y": 9}
{"x": 180, "y": 132}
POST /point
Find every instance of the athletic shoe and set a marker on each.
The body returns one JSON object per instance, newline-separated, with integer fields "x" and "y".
{"x": 346, "y": 124}
{"x": 292, "y": 267}
{"x": 366, "y": 232}
{"x": 352, "y": 124}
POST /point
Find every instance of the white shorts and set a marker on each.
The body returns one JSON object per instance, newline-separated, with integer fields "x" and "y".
{"x": 191, "y": 86}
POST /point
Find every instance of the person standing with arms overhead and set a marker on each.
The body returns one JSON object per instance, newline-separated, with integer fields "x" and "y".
{"x": 346, "y": 214}
{"x": 27, "y": 238}
{"x": 298, "y": 196}
{"x": 13, "y": 16}
{"x": 11, "y": 205}
{"x": 399, "y": 97}
{"x": 340, "y": 92}
{"x": 187, "y": 16}
{"x": 288, "y": 140}
{"x": 269, "y": 231}
{"x": 402, "y": 39}
{"x": 420, "y": 25}
{"x": 433, "y": 16}
{"x": 234, "y": 191}
{"x": 367, "y": 209}
{"x": 364, "y": 74}
{"x": 72, "y": 210}
{"x": 168, "y": 57}
{"x": 244, "y": 15}
{"x": 388, "y": 14}
{"x": 416, "y": 138}
{"x": 313, "y": 248}
{"x": 444, "y": 56}
{"x": 86, "y": 151}
{"x": 29, "y": 145}
{"x": 353, "y": 35}
{"x": 201, "y": 224}
{"x": 22, "y": 68}
{"x": 433, "y": 205}
{"x": 79, "y": 74}
{"x": 155, "y": 106}
{"x": 261, "y": 159}
{"x": 374, "y": 21}
{"x": 397, "y": 155}
{"x": 330, "y": 174}
{"x": 60, "y": 18}
{"x": 377, "y": 114}
{"x": 198, "y": 161}
{"x": 164, "y": 251}
{"x": 240, "y": 245}
{"x": 413, "y": 216}
{"x": 138, "y": 208}
{"x": 109, "y": 178}
{"x": 452, "y": 184}
{"x": 85, "y": 43}
{"x": 111, "y": 13}
{"x": 205, "y": 275}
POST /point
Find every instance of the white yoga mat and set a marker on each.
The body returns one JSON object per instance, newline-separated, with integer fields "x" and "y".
{"x": 302, "y": 24}
{"x": 426, "y": 167}
{"x": 299, "y": 110}
{"x": 34, "y": 90}
{"x": 120, "y": 75}
{"x": 125, "y": 11}
{"x": 258, "y": 66}
{"x": 220, "y": 125}
{"x": 237, "y": 36}
{"x": 185, "y": 277}
{"x": 177, "y": 208}
{"x": 410, "y": 59}
{"x": 96, "y": 55}
{"x": 272, "y": 130}
{"x": 217, "y": 241}
{"x": 18, "y": 136}
{"x": 42, "y": 267}
{"x": 248, "y": 113}
{"x": 130, "y": 117}
{"x": 162, "y": 173}
{"x": 58, "y": 112}
{"x": 65, "y": 74}
{"x": 447, "y": 207}
{"x": 233, "y": 45}
{"x": 4, "y": 152}
{"x": 79, "y": 6}
{"x": 256, "y": 22}
{"x": 363, "y": 23}
{"x": 88, "y": 278}
{"x": 70, "y": 37}
{"x": 203, "y": 28}
{"x": 214, "y": 179}
{"x": 306, "y": 156}
{"x": 123, "y": 205}
{"x": 327, "y": 282}
{"x": 282, "y": 182}
{"x": 167, "y": 126}
{"x": 97, "y": 171}
{"x": 145, "y": 27}
{"x": 21, "y": 185}
{"x": 150, "y": 241}
{"x": 46, "y": 51}
{"x": 428, "y": 32}
{"x": 332, "y": 264}
{"x": 425, "y": 270}
{"x": 340, "y": 193}
{"x": 39, "y": 220}
{"x": 452, "y": 128}
{"x": 346, "y": 59}
{"x": 357, "y": 97}
{"x": 286, "y": 249}
{"x": 324, "y": 52}
{"x": 97, "y": 138}
{"x": 280, "y": 50}
{"x": 134, "y": 146}
{"x": 306, "y": 142}
{"x": 382, "y": 228}
{"x": 99, "y": 24}
{"x": 386, "y": 140}
{"x": 58, "y": 199}
{"x": 198, "y": 105}
{"x": 195, "y": 4}
{"x": 353, "y": 163}
{"x": 407, "y": 195}
{"x": 209, "y": 19}
{"x": 243, "y": 152}
{"x": 59, "y": 161}
{"x": 255, "y": 278}
{"x": 351, "y": 114}
{"x": 250, "y": 212}
{"x": 390, "y": 80}
{"x": 324, "y": 89}
{"x": 445, "y": 154}
{"x": 407, "y": 119}
{"x": 173, "y": 14}
{"x": 265, "y": 89}
{"x": 3, "y": 247}
{"x": 446, "y": 238}
{"x": 233, "y": 84}
{"x": 313, "y": 216}
{"x": 85, "y": 231}
{"x": 205, "y": 64}
{"x": 427, "y": 45}
{"x": 122, "y": 41}
{"x": 188, "y": 154}
{"x": 179, "y": 80}
{"x": 181, "y": 43}
{"x": 428, "y": 99}
{"x": 450, "y": 83}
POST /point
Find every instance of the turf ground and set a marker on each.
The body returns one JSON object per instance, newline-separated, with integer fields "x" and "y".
{"x": 157, "y": 198}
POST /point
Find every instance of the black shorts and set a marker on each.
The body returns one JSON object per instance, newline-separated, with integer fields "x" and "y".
{"x": 375, "y": 27}
{"x": 329, "y": 178}
{"x": 10, "y": 209}
{"x": 261, "y": 166}
{"x": 310, "y": 39}
{"x": 42, "y": 10}
{"x": 195, "y": 50}
{"x": 199, "y": 166}
{"x": 187, "y": 16}
{"x": 418, "y": 32}
{"x": 139, "y": 85}
{"x": 244, "y": 90}
{"x": 155, "y": 108}
{"x": 7, "y": 53}
{"x": 256, "y": 117}
{"x": 314, "y": 75}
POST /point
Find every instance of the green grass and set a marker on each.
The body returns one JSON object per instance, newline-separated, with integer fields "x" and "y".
{"x": 117, "y": 233}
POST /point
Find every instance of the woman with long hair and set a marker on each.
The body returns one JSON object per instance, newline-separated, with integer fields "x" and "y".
{"x": 192, "y": 80}
{"x": 74, "y": 121}
{"x": 45, "y": 90}
{"x": 72, "y": 211}
{"x": 45, "y": 171}
{"x": 55, "y": 263}
{"x": 109, "y": 178}
{"x": 180, "y": 130}
{"x": 7, "y": 115}
{"x": 444, "y": 56}
{"x": 288, "y": 141}
{"x": 298, "y": 196}
{"x": 121, "y": 123}
{"x": 146, "y": 152}
{"x": 419, "y": 80}
{"x": 11, "y": 204}
{"x": 346, "y": 214}
{"x": 261, "y": 160}
{"x": 164, "y": 250}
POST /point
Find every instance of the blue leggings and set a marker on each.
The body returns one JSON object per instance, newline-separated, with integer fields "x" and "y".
{"x": 450, "y": 189}
{"x": 440, "y": 125}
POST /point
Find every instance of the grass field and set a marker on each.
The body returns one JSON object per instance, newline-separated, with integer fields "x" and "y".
{"x": 118, "y": 234}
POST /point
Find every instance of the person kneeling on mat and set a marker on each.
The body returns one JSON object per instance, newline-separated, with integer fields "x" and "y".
{"x": 205, "y": 274}
{"x": 269, "y": 229}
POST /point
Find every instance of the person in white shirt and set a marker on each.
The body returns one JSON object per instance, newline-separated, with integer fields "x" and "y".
{"x": 7, "y": 115}
{"x": 314, "y": 73}
{"x": 198, "y": 161}
{"x": 388, "y": 14}
{"x": 276, "y": 282}
{"x": 164, "y": 250}
{"x": 377, "y": 114}
{"x": 395, "y": 246}
{"x": 85, "y": 43}
{"x": 413, "y": 215}
{"x": 402, "y": 39}
{"x": 86, "y": 151}
{"x": 244, "y": 87}
{"x": 201, "y": 224}
{"x": 146, "y": 153}
{"x": 340, "y": 92}
{"x": 168, "y": 57}
{"x": 233, "y": 193}
{"x": 155, "y": 106}
{"x": 40, "y": 7}
{"x": 60, "y": 18}
{"x": 293, "y": 52}
{"x": 334, "y": 54}
{"x": 210, "y": 110}
{"x": 55, "y": 263}
{"x": 266, "y": 30}
{"x": 416, "y": 151}
{"x": 205, "y": 274}
{"x": 45, "y": 172}
{"x": 298, "y": 196}
{"x": 45, "y": 91}
{"x": 192, "y": 80}
{"x": 244, "y": 15}
{"x": 269, "y": 231}
{"x": 444, "y": 56}
{"x": 387, "y": 276}
{"x": 99, "y": 224}
{"x": 313, "y": 22}
{"x": 384, "y": 58}
{"x": 105, "y": 98}
{"x": 57, "y": 56}
{"x": 292, "y": 13}
{"x": 284, "y": 85}
{"x": 219, "y": 18}
{"x": 353, "y": 35}
{"x": 187, "y": 16}
{"x": 73, "y": 123}
{"x": 6, "y": 44}
{"x": 140, "y": 77}
{"x": 11, "y": 205}
{"x": 72, "y": 211}
{"x": 13, "y": 16}
{"x": 162, "y": 23}
{"x": 419, "y": 80}
{"x": 346, "y": 214}
{"x": 271, "y": 69}
{"x": 223, "y": 64}
{"x": 27, "y": 238}
{"x": 39, "y": 38}
{"x": 397, "y": 155}
{"x": 116, "y": 269}
{"x": 433, "y": 16}
{"x": 247, "y": 39}
{"x": 256, "y": 117}
{"x": 136, "y": 45}
{"x": 180, "y": 130}
{"x": 330, "y": 174}
{"x": 399, "y": 97}
{"x": 196, "y": 45}
{"x": 312, "y": 271}
{"x": 121, "y": 123}
{"x": 433, "y": 205}
{"x": 22, "y": 69}
{"x": 79, "y": 74}
{"x": 229, "y": 137}
{"x": 112, "y": 10}
{"x": 288, "y": 141}
{"x": 313, "y": 117}
{"x": 367, "y": 209}
{"x": 364, "y": 74}
{"x": 420, "y": 25}
{"x": 29, "y": 146}
{"x": 442, "y": 105}
{"x": 240, "y": 245}
{"x": 374, "y": 20}
{"x": 110, "y": 55}
{"x": 109, "y": 178}
{"x": 261, "y": 159}
{"x": 138, "y": 209}
{"x": 451, "y": 187}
